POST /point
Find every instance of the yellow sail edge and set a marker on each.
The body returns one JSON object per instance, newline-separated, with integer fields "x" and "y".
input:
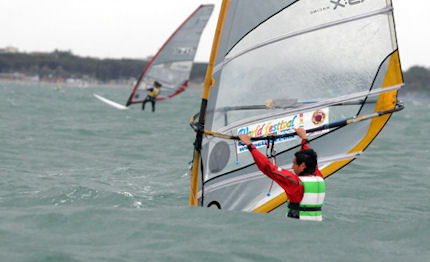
{"x": 272, "y": 204}
{"x": 386, "y": 101}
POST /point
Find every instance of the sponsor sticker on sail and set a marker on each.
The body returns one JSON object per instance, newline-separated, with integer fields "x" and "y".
{"x": 284, "y": 125}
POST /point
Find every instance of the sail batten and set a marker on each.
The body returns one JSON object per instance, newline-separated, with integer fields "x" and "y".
{"x": 316, "y": 105}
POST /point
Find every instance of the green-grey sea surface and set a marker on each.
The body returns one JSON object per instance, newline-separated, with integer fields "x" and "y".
{"x": 82, "y": 181}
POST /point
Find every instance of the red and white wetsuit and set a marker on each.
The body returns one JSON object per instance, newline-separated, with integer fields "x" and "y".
{"x": 289, "y": 181}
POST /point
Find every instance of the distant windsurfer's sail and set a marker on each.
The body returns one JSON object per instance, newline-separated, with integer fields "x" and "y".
{"x": 331, "y": 67}
{"x": 172, "y": 65}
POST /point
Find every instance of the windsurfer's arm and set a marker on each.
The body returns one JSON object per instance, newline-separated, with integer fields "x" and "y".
{"x": 148, "y": 87}
{"x": 302, "y": 134}
{"x": 305, "y": 145}
{"x": 267, "y": 167}
{"x": 263, "y": 163}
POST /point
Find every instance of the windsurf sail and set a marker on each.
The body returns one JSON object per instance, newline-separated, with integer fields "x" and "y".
{"x": 172, "y": 64}
{"x": 331, "y": 67}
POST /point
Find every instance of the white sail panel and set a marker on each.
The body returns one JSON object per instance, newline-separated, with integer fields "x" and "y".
{"x": 308, "y": 51}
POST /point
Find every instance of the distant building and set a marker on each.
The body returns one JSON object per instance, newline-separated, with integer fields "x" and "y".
{"x": 9, "y": 50}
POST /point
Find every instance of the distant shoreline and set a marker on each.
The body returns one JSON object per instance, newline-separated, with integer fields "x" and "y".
{"x": 65, "y": 68}
{"x": 113, "y": 85}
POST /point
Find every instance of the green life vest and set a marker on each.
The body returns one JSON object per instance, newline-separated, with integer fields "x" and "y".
{"x": 313, "y": 197}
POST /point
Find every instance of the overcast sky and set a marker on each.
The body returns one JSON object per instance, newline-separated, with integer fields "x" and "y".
{"x": 138, "y": 28}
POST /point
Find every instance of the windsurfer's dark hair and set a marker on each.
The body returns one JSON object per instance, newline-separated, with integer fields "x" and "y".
{"x": 309, "y": 157}
{"x": 157, "y": 84}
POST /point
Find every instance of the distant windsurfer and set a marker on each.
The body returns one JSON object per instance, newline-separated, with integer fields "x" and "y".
{"x": 153, "y": 90}
{"x": 305, "y": 188}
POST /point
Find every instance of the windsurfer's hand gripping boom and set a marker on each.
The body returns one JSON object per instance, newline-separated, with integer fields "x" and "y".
{"x": 301, "y": 132}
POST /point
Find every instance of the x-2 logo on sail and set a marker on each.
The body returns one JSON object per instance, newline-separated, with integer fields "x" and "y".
{"x": 184, "y": 50}
{"x": 344, "y": 3}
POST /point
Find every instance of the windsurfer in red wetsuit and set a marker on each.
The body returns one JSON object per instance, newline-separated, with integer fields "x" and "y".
{"x": 305, "y": 187}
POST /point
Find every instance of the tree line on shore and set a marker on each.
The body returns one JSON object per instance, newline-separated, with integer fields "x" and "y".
{"x": 64, "y": 65}
{"x": 417, "y": 79}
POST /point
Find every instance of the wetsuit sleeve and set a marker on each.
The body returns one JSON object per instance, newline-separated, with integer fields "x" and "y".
{"x": 286, "y": 179}
{"x": 305, "y": 146}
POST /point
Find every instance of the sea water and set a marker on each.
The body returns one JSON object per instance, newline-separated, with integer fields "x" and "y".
{"x": 81, "y": 181}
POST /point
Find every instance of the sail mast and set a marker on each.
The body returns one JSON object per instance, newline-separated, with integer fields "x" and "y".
{"x": 207, "y": 86}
